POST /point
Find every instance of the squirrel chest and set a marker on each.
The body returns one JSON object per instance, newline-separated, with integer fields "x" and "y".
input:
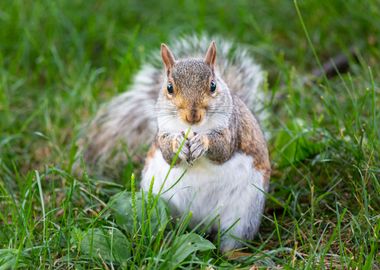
{"x": 233, "y": 190}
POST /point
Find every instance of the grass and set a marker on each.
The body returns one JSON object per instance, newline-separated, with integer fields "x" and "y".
{"x": 59, "y": 60}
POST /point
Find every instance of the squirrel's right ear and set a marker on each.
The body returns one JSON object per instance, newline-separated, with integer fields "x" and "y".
{"x": 167, "y": 57}
{"x": 210, "y": 57}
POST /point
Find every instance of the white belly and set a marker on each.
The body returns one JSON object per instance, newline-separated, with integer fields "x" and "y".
{"x": 233, "y": 190}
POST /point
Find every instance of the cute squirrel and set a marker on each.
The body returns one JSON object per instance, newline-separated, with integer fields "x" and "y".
{"x": 198, "y": 108}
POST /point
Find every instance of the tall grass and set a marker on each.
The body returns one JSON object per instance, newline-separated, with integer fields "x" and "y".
{"x": 59, "y": 60}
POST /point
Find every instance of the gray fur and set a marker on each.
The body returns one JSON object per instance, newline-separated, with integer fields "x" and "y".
{"x": 130, "y": 118}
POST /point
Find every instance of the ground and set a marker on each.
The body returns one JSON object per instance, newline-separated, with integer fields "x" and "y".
{"x": 60, "y": 60}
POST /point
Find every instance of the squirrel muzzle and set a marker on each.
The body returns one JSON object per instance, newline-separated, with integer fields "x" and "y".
{"x": 193, "y": 116}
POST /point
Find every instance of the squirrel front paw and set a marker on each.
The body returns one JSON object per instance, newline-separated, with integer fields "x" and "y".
{"x": 177, "y": 141}
{"x": 198, "y": 145}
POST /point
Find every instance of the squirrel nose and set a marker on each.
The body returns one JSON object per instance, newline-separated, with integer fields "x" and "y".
{"x": 193, "y": 117}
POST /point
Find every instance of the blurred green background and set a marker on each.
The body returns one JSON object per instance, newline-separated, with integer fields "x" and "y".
{"x": 59, "y": 60}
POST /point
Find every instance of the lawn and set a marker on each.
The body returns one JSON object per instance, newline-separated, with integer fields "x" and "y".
{"x": 60, "y": 60}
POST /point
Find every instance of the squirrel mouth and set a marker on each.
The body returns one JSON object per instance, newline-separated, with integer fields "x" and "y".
{"x": 193, "y": 117}
{"x": 194, "y": 121}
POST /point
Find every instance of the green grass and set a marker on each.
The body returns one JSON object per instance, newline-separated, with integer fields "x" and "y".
{"x": 59, "y": 60}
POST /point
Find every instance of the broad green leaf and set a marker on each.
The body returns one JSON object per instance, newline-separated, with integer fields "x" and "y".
{"x": 149, "y": 212}
{"x": 296, "y": 142}
{"x": 110, "y": 244}
{"x": 185, "y": 245}
{"x": 9, "y": 257}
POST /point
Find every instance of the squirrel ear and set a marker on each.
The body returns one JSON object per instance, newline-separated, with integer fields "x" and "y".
{"x": 167, "y": 57}
{"x": 210, "y": 58}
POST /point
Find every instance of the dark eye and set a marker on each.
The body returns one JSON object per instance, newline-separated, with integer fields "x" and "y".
{"x": 170, "y": 88}
{"x": 212, "y": 86}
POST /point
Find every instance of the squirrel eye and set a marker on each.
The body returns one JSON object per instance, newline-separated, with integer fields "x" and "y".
{"x": 170, "y": 88}
{"x": 212, "y": 86}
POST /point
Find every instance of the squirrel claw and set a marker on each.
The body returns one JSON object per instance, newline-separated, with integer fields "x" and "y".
{"x": 198, "y": 147}
{"x": 184, "y": 153}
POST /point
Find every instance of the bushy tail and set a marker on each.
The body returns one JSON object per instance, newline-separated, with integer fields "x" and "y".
{"x": 128, "y": 120}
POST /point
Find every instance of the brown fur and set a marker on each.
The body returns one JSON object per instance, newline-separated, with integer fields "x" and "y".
{"x": 129, "y": 121}
{"x": 251, "y": 140}
{"x": 191, "y": 82}
{"x": 243, "y": 134}
{"x": 191, "y": 97}
{"x": 168, "y": 146}
{"x": 151, "y": 152}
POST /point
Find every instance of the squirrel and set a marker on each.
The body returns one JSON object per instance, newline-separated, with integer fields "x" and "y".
{"x": 195, "y": 107}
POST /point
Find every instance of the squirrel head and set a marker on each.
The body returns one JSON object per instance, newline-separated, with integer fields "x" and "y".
{"x": 192, "y": 90}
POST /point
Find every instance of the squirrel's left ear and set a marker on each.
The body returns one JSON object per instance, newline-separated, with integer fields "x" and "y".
{"x": 210, "y": 58}
{"x": 167, "y": 57}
